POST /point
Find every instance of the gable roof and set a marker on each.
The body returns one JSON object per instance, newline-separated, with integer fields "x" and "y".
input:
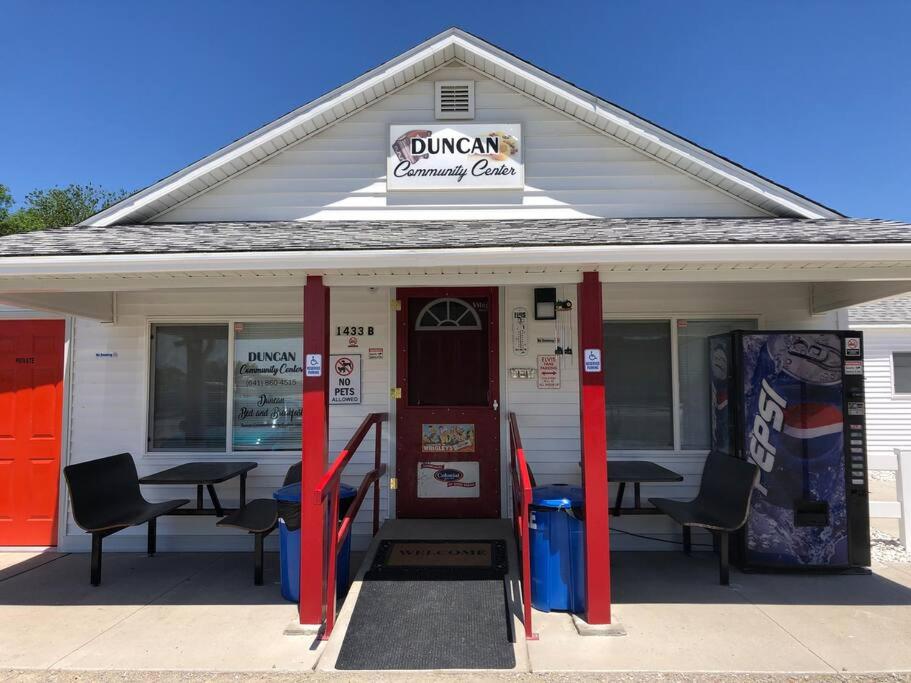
{"x": 322, "y": 236}
{"x": 894, "y": 310}
{"x": 455, "y": 45}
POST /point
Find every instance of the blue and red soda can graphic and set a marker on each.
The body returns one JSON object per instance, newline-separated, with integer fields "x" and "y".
{"x": 794, "y": 430}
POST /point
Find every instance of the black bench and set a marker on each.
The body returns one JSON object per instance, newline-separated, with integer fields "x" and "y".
{"x": 106, "y": 498}
{"x": 260, "y": 517}
{"x": 722, "y": 505}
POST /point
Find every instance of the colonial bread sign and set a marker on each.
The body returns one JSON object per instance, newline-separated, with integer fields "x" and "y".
{"x": 475, "y": 156}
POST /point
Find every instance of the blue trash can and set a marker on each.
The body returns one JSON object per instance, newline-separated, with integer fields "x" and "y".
{"x": 557, "y": 548}
{"x": 290, "y": 543}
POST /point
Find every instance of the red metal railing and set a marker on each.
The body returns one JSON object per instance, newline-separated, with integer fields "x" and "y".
{"x": 521, "y": 499}
{"x": 329, "y": 488}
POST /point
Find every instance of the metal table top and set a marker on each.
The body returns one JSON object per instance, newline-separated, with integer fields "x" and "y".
{"x": 632, "y": 471}
{"x": 199, "y": 473}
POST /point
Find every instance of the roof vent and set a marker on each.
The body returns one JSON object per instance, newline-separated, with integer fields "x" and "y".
{"x": 454, "y": 99}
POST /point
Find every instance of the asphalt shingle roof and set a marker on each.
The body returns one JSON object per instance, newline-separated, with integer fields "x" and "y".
{"x": 214, "y": 237}
{"x": 896, "y": 309}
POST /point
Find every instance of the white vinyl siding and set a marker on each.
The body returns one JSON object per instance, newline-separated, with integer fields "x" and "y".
{"x": 110, "y": 401}
{"x": 572, "y": 171}
{"x": 888, "y": 414}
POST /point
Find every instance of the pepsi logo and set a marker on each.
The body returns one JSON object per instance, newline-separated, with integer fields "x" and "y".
{"x": 448, "y": 475}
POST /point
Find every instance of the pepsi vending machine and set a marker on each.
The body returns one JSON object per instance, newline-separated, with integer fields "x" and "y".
{"x": 793, "y": 403}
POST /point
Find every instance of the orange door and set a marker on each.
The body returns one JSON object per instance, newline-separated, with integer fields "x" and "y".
{"x": 31, "y": 409}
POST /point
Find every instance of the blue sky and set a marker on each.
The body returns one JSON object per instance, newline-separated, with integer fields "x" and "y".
{"x": 814, "y": 95}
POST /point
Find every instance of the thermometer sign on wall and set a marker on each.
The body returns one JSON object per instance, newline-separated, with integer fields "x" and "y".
{"x": 520, "y": 331}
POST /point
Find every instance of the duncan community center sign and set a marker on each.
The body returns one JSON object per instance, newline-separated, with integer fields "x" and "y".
{"x": 473, "y": 156}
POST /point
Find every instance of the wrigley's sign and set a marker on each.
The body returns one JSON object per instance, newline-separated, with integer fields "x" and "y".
{"x": 455, "y": 156}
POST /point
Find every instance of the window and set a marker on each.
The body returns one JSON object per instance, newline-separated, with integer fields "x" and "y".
{"x": 637, "y": 381}
{"x": 189, "y": 386}
{"x": 656, "y": 372}
{"x": 194, "y": 368}
{"x": 448, "y": 314}
{"x": 268, "y": 374}
{"x": 692, "y": 363}
{"x": 901, "y": 373}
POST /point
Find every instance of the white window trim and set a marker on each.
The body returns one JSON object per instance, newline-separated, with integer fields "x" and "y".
{"x": 149, "y": 453}
{"x": 675, "y": 368}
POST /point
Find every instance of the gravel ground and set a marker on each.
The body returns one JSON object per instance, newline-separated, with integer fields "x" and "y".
{"x": 882, "y": 475}
{"x": 480, "y": 677}
{"x": 886, "y": 548}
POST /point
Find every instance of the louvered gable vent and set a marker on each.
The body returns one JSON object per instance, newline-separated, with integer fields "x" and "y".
{"x": 454, "y": 99}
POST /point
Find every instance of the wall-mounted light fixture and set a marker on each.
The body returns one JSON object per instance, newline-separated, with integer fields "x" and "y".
{"x": 546, "y": 303}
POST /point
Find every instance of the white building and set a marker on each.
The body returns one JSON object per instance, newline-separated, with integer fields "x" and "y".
{"x": 886, "y": 325}
{"x": 174, "y": 298}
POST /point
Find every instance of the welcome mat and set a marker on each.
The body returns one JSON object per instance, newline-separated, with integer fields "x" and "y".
{"x": 464, "y": 559}
{"x": 431, "y": 605}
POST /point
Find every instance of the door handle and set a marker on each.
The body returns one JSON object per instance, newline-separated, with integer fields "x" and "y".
{"x": 496, "y": 405}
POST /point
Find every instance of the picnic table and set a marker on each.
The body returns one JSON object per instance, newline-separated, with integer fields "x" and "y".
{"x": 636, "y": 472}
{"x": 203, "y": 474}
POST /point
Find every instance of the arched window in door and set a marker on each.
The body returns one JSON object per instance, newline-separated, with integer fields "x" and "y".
{"x": 447, "y": 313}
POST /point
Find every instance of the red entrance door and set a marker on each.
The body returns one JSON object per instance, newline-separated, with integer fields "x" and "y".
{"x": 447, "y": 429}
{"x": 31, "y": 401}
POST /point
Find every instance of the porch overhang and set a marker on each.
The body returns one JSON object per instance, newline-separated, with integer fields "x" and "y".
{"x": 87, "y": 286}
{"x": 79, "y": 269}
{"x": 893, "y": 257}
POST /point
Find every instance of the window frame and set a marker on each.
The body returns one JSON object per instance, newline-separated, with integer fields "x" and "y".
{"x": 898, "y": 395}
{"x": 469, "y": 309}
{"x": 671, "y": 340}
{"x": 228, "y": 450}
{"x": 672, "y": 320}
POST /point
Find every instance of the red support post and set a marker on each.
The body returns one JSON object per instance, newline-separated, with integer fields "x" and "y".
{"x": 377, "y": 456}
{"x": 314, "y": 449}
{"x": 594, "y": 450}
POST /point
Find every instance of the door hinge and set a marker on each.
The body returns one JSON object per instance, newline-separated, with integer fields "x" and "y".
{"x": 396, "y": 305}
{"x": 396, "y": 392}
{"x": 393, "y": 484}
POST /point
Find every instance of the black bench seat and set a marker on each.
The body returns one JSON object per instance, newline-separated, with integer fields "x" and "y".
{"x": 105, "y": 498}
{"x": 260, "y": 517}
{"x": 257, "y": 516}
{"x": 722, "y": 505}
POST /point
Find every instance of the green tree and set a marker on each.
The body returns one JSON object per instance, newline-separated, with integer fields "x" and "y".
{"x": 6, "y": 203}
{"x": 54, "y": 207}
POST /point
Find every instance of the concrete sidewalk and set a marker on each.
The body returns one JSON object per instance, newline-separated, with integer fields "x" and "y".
{"x": 201, "y": 612}
{"x": 678, "y": 618}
